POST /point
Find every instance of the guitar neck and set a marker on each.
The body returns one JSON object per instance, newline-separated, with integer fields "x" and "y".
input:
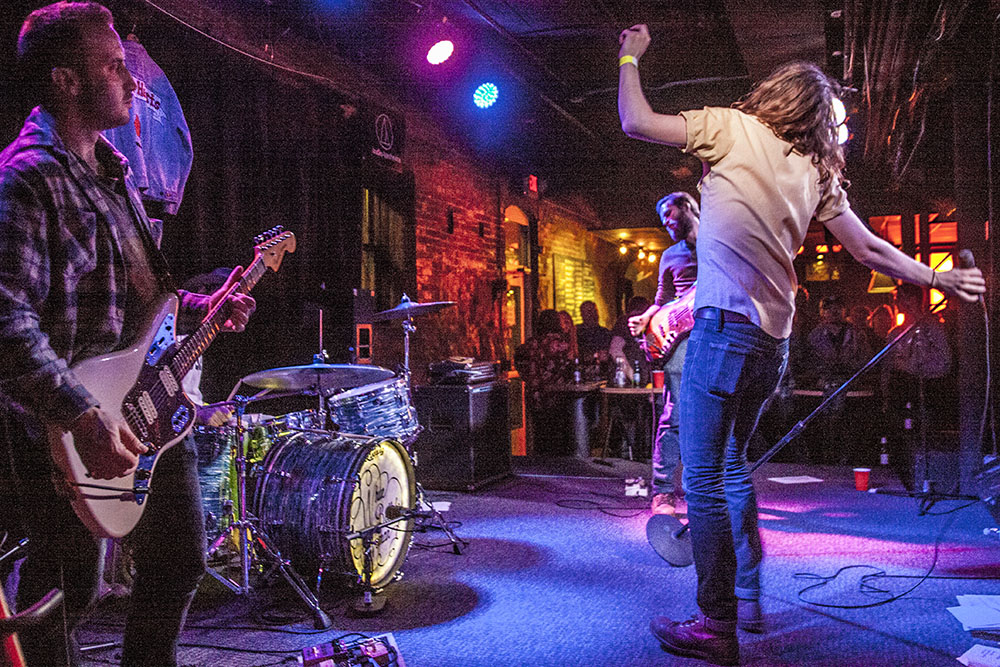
{"x": 196, "y": 344}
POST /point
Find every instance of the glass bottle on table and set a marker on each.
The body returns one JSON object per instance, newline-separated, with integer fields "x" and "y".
{"x": 620, "y": 371}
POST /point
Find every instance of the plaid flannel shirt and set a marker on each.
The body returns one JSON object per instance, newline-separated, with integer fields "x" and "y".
{"x": 62, "y": 274}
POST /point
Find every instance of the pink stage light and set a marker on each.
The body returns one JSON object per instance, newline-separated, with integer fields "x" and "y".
{"x": 440, "y": 52}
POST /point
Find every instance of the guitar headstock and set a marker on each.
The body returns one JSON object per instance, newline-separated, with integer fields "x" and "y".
{"x": 272, "y": 245}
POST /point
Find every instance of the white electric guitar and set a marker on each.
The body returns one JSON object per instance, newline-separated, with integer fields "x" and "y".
{"x": 142, "y": 385}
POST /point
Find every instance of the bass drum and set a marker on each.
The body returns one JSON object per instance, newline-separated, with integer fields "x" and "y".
{"x": 316, "y": 488}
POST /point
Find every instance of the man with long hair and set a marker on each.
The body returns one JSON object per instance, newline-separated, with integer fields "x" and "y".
{"x": 679, "y": 212}
{"x": 771, "y": 163}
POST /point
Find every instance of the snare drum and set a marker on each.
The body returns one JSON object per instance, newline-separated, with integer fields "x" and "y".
{"x": 294, "y": 422}
{"x": 316, "y": 488}
{"x": 380, "y": 409}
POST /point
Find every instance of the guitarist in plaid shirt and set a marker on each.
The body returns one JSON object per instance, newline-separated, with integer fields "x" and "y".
{"x": 79, "y": 263}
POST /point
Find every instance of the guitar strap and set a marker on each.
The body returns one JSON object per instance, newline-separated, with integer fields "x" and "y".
{"x": 143, "y": 224}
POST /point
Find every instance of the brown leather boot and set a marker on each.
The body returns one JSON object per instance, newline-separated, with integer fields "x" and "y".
{"x": 700, "y": 637}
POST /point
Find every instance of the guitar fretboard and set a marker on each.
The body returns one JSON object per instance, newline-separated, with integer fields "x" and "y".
{"x": 196, "y": 344}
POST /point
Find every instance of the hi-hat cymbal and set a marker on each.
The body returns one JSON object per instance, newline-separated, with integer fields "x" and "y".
{"x": 407, "y": 309}
{"x": 317, "y": 378}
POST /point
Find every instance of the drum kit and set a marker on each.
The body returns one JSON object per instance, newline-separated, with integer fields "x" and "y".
{"x": 325, "y": 490}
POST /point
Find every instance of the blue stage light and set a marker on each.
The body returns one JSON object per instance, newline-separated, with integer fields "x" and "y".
{"x": 485, "y": 96}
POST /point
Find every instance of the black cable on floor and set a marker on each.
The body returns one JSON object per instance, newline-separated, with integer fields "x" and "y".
{"x": 865, "y": 585}
{"x": 610, "y": 510}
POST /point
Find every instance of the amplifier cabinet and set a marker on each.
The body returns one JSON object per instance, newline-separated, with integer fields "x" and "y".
{"x": 466, "y": 438}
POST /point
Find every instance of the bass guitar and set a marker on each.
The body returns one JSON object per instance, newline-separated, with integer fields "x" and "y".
{"x": 668, "y": 326}
{"x": 142, "y": 385}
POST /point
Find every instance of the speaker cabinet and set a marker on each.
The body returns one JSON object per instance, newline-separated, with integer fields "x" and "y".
{"x": 466, "y": 438}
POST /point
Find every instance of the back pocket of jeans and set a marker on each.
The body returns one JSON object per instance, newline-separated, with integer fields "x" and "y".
{"x": 723, "y": 368}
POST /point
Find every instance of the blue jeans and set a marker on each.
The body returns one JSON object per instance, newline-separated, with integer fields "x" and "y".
{"x": 730, "y": 371}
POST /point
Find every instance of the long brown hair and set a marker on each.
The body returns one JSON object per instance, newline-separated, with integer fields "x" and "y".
{"x": 796, "y": 102}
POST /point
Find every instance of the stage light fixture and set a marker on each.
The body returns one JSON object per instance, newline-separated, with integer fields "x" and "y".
{"x": 642, "y": 253}
{"x": 840, "y": 120}
{"x": 486, "y": 95}
{"x": 440, "y": 52}
{"x": 623, "y": 249}
{"x": 652, "y": 258}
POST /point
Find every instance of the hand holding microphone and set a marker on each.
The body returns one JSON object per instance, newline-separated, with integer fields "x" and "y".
{"x": 966, "y": 282}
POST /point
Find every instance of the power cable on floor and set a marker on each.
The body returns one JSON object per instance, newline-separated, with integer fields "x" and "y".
{"x": 865, "y": 584}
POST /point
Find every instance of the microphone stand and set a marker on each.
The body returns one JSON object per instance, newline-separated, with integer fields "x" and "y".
{"x": 672, "y": 541}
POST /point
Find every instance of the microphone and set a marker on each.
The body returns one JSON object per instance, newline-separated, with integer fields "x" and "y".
{"x": 397, "y": 511}
{"x": 965, "y": 259}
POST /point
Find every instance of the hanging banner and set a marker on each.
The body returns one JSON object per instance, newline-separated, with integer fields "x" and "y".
{"x": 385, "y": 133}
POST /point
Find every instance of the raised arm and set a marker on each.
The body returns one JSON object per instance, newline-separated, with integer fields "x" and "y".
{"x": 878, "y": 254}
{"x": 639, "y": 121}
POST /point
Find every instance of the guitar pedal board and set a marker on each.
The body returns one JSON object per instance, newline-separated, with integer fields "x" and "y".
{"x": 377, "y": 651}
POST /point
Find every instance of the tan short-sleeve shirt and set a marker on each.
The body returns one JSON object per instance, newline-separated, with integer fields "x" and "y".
{"x": 757, "y": 198}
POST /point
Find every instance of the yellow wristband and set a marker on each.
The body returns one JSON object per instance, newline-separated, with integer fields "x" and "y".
{"x": 628, "y": 59}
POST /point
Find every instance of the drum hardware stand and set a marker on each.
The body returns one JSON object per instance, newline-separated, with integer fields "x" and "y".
{"x": 433, "y": 516}
{"x": 672, "y": 540}
{"x": 245, "y": 527}
{"x": 372, "y": 601}
{"x": 434, "y": 519}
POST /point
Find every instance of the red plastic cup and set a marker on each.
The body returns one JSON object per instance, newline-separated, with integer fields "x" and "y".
{"x": 861, "y": 478}
{"x": 658, "y": 379}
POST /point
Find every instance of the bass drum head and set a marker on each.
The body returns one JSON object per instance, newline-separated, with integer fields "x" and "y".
{"x": 315, "y": 489}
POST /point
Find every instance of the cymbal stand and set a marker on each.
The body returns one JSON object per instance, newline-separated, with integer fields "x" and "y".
{"x": 408, "y": 328}
{"x": 246, "y": 529}
{"x": 436, "y": 519}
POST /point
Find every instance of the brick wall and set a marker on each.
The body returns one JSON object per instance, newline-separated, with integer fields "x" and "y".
{"x": 460, "y": 264}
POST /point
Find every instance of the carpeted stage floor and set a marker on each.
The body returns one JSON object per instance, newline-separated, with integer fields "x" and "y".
{"x": 558, "y": 571}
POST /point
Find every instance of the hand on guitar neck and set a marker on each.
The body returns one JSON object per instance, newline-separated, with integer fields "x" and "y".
{"x": 106, "y": 445}
{"x": 238, "y": 305}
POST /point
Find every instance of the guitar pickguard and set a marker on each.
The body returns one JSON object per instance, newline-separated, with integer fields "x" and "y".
{"x": 162, "y": 340}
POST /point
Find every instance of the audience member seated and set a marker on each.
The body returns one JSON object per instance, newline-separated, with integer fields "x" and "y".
{"x": 839, "y": 349}
{"x": 918, "y": 364}
{"x": 592, "y": 339}
{"x": 545, "y": 360}
{"x": 631, "y": 415}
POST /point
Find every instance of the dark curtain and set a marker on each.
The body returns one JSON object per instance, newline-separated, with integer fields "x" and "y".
{"x": 270, "y": 148}
{"x": 896, "y": 54}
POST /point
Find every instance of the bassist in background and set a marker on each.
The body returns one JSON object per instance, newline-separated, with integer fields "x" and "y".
{"x": 79, "y": 263}
{"x": 679, "y": 213}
